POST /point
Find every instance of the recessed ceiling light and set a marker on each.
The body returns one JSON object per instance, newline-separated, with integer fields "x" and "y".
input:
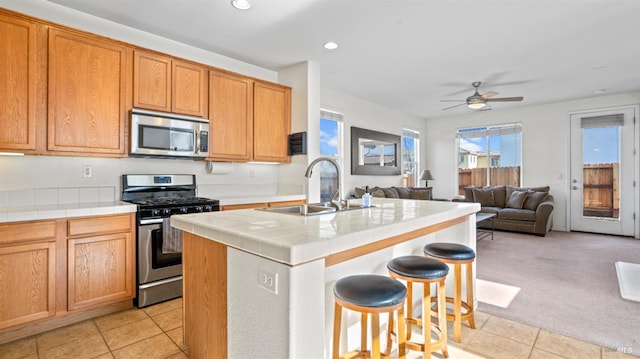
{"x": 241, "y": 4}
{"x": 599, "y": 91}
{"x": 330, "y": 45}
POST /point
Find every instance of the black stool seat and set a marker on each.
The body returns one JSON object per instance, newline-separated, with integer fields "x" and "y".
{"x": 418, "y": 267}
{"x": 370, "y": 290}
{"x": 451, "y": 251}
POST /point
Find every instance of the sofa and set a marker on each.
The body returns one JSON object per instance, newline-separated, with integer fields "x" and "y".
{"x": 517, "y": 209}
{"x": 396, "y": 192}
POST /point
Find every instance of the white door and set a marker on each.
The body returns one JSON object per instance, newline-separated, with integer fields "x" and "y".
{"x": 602, "y": 171}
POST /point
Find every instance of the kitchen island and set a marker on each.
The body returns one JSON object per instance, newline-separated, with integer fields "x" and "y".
{"x": 259, "y": 284}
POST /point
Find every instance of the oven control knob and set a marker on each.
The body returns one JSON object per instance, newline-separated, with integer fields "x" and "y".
{"x": 166, "y": 211}
{"x": 183, "y": 210}
{"x": 198, "y": 208}
{"x": 155, "y": 213}
{"x": 207, "y": 208}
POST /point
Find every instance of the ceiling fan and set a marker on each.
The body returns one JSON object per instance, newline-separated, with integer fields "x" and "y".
{"x": 479, "y": 102}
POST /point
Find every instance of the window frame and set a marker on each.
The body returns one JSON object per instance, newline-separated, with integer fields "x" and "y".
{"x": 485, "y": 132}
{"x": 415, "y": 135}
{"x": 330, "y": 115}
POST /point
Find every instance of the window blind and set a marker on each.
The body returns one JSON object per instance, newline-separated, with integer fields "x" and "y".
{"x": 489, "y": 131}
{"x": 602, "y": 121}
{"x": 410, "y": 133}
{"x": 331, "y": 115}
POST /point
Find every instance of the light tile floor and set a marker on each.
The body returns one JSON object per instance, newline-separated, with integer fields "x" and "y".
{"x": 156, "y": 332}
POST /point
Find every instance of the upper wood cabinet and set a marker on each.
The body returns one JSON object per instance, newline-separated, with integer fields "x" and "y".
{"x": 89, "y": 94}
{"x": 167, "y": 84}
{"x": 249, "y": 120}
{"x": 230, "y": 117}
{"x": 19, "y": 55}
{"x": 271, "y": 122}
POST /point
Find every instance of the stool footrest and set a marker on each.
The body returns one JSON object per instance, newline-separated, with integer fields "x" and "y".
{"x": 467, "y": 315}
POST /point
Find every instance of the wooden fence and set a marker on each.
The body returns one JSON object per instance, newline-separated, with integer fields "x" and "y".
{"x": 601, "y": 190}
{"x": 478, "y": 177}
{"x": 600, "y": 185}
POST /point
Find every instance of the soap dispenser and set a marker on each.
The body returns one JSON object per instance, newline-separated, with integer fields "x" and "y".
{"x": 366, "y": 198}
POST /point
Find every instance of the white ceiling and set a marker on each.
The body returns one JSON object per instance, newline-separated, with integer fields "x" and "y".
{"x": 410, "y": 54}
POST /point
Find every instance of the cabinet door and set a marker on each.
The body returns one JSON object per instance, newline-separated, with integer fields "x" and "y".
{"x": 152, "y": 81}
{"x": 27, "y": 272}
{"x": 230, "y": 117}
{"x": 100, "y": 269}
{"x": 189, "y": 89}
{"x": 271, "y": 122}
{"x": 17, "y": 84}
{"x": 89, "y": 94}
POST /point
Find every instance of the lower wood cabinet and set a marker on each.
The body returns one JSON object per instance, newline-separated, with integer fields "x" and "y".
{"x": 57, "y": 272}
{"x": 100, "y": 261}
{"x": 27, "y": 273}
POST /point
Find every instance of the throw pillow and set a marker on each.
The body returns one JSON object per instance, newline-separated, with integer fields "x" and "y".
{"x": 468, "y": 193}
{"x": 359, "y": 192}
{"x": 516, "y": 200}
{"x": 377, "y": 192}
{"x": 484, "y": 197}
{"x": 499, "y": 195}
{"x": 420, "y": 193}
{"x": 534, "y": 199}
{"x": 403, "y": 192}
{"x": 390, "y": 192}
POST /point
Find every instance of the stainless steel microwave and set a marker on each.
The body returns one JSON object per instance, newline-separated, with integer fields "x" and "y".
{"x": 168, "y": 135}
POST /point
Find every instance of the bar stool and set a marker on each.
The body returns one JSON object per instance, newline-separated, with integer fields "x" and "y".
{"x": 418, "y": 269}
{"x": 368, "y": 294}
{"x": 457, "y": 254}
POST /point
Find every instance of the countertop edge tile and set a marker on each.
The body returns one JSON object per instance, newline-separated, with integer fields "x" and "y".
{"x": 253, "y": 232}
{"x": 64, "y": 210}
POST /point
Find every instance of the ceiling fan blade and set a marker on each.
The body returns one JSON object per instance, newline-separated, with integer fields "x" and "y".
{"x": 489, "y": 95}
{"x": 462, "y": 104}
{"x": 505, "y": 99}
{"x": 452, "y": 100}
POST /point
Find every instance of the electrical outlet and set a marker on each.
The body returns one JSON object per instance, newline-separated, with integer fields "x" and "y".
{"x": 268, "y": 280}
{"x": 87, "y": 171}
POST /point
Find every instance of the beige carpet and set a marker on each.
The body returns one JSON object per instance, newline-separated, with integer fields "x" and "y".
{"x": 568, "y": 284}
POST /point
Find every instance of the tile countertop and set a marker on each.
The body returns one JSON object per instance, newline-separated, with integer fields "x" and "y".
{"x": 67, "y": 210}
{"x": 293, "y": 240}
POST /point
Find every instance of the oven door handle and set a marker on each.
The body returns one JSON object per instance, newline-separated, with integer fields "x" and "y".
{"x": 151, "y": 221}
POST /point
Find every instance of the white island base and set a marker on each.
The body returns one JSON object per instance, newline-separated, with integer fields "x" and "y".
{"x": 230, "y": 258}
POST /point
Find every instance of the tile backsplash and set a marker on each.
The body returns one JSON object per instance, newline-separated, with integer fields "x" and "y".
{"x": 55, "y": 196}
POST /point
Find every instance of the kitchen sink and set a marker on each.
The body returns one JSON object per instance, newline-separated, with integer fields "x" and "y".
{"x": 308, "y": 209}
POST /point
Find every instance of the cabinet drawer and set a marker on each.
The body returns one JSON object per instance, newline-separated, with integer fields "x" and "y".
{"x": 27, "y": 231}
{"x": 97, "y": 225}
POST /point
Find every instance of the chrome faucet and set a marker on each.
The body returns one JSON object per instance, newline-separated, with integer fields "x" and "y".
{"x": 336, "y": 201}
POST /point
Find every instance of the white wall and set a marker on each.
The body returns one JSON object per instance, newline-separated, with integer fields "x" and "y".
{"x": 365, "y": 114}
{"x": 545, "y": 145}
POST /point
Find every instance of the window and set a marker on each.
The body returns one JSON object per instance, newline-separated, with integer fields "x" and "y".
{"x": 489, "y": 156}
{"x": 410, "y": 157}
{"x": 330, "y": 146}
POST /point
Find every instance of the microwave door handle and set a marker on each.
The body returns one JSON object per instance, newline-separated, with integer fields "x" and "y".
{"x": 197, "y": 144}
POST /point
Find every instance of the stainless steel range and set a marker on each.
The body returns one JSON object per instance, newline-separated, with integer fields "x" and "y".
{"x": 159, "y": 247}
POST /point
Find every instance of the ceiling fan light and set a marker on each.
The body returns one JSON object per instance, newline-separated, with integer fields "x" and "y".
{"x": 476, "y": 105}
{"x": 241, "y": 4}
